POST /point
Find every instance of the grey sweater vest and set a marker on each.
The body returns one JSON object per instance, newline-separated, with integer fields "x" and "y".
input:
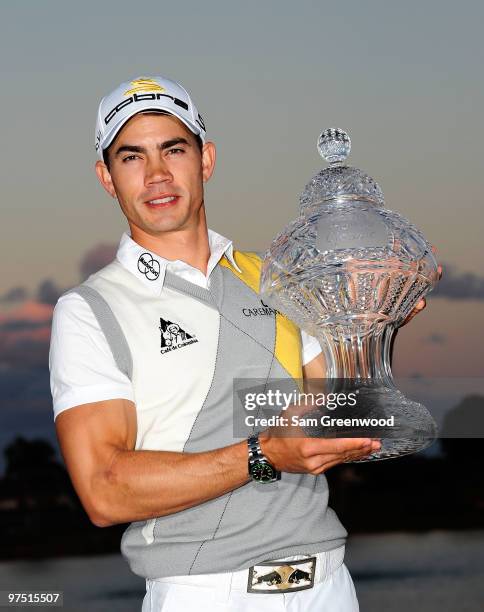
{"x": 252, "y": 523}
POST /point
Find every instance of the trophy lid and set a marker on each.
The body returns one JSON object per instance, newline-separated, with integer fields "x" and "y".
{"x": 339, "y": 181}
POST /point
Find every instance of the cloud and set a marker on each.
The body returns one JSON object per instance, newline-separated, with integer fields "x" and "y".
{"x": 48, "y": 292}
{"x": 28, "y": 311}
{"x": 455, "y": 286}
{"x": 96, "y": 258}
{"x": 25, "y": 335}
{"x": 16, "y": 294}
{"x": 25, "y": 328}
{"x": 436, "y": 338}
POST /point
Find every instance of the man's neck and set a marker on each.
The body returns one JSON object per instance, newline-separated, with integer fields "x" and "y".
{"x": 190, "y": 245}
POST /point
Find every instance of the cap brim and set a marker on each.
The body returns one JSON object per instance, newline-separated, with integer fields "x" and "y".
{"x": 113, "y": 131}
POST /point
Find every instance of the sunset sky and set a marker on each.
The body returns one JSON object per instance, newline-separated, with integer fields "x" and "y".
{"x": 403, "y": 78}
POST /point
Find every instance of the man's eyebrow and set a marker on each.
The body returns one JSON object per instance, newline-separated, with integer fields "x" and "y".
{"x": 127, "y": 148}
{"x": 174, "y": 141}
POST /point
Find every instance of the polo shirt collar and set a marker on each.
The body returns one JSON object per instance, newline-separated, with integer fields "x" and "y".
{"x": 151, "y": 268}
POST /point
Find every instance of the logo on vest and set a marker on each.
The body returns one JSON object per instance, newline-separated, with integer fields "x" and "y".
{"x": 173, "y": 336}
{"x": 148, "y": 266}
{"x": 265, "y": 311}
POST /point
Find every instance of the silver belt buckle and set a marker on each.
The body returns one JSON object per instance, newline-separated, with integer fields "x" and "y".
{"x": 281, "y": 576}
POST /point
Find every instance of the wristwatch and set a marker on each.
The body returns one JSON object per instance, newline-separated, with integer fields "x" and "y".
{"x": 260, "y": 469}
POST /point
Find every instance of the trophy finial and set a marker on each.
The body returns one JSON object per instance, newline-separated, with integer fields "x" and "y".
{"x": 334, "y": 145}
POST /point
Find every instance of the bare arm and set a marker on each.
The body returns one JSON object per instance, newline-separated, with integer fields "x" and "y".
{"x": 316, "y": 368}
{"x": 117, "y": 484}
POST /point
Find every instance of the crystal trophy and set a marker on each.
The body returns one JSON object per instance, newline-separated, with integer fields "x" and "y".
{"x": 348, "y": 271}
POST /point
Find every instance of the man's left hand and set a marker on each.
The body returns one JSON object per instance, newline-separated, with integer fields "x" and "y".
{"x": 421, "y": 303}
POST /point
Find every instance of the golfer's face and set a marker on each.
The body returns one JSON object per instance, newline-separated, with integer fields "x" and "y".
{"x": 157, "y": 172}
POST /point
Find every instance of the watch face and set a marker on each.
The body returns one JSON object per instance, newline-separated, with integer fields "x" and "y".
{"x": 262, "y": 472}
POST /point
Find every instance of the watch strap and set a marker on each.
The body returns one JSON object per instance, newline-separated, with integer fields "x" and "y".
{"x": 256, "y": 455}
{"x": 255, "y": 452}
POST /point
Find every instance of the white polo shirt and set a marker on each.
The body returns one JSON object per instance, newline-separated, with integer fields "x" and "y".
{"x": 82, "y": 366}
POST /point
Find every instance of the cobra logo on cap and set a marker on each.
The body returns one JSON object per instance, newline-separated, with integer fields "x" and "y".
{"x": 143, "y": 84}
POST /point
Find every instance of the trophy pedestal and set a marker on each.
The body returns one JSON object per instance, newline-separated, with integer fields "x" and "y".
{"x": 403, "y": 426}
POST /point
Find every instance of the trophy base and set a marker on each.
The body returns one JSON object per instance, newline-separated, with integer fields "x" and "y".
{"x": 393, "y": 448}
{"x": 381, "y": 412}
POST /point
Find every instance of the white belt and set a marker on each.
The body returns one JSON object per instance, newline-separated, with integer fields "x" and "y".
{"x": 326, "y": 563}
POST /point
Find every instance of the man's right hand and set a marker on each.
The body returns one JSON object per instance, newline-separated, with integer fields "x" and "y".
{"x": 314, "y": 455}
{"x": 289, "y": 449}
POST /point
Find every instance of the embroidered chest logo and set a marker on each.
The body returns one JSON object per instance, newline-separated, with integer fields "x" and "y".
{"x": 264, "y": 311}
{"x": 173, "y": 336}
{"x": 148, "y": 266}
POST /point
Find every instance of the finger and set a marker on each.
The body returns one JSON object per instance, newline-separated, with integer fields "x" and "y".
{"x": 332, "y": 460}
{"x": 374, "y": 447}
{"x": 329, "y": 462}
{"x": 332, "y": 446}
{"x": 324, "y": 462}
{"x": 346, "y": 453}
{"x": 434, "y": 250}
{"x": 342, "y": 445}
{"x": 356, "y": 456}
{"x": 439, "y": 271}
{"x": 418, "y": 308}
{"x": 365, "y": 455}
{"x": 326, "y": 467}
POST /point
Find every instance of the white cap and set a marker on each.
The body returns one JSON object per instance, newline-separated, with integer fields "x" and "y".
{"x": 142, "y": 94}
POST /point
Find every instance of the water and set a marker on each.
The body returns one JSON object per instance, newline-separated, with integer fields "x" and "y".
{"x": 98, "y": 584}
{"x": 439, "y": 571}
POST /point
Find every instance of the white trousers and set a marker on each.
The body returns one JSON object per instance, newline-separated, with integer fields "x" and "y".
{"x": 335, "y": 593}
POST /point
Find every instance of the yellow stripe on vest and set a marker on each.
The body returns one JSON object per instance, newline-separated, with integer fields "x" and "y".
{"x": 288, "y": 338}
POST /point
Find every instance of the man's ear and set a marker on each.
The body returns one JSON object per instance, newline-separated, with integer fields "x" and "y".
{"x": 208, "y": 160}
{"x": 104, "y": 177}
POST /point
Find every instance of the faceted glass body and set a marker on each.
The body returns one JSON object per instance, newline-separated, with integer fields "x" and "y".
{"x": 349, "y": 271}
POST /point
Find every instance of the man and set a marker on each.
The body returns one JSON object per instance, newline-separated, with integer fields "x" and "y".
{"x": 143, "y": 356}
